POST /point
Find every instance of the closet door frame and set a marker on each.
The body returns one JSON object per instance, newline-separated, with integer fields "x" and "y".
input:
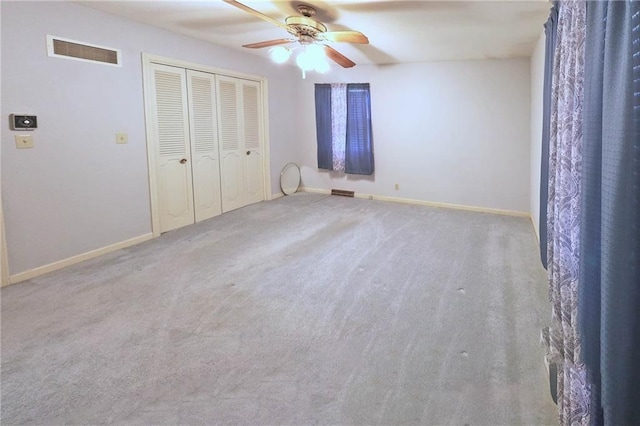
{"x": 147, "y": 60}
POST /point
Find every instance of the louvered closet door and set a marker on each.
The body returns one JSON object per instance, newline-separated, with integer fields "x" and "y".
{"x": 231, "y": 156}
{"x": 241, "y": 155}
{"x": 169, "y": 100}
{"x": 205, "y": 164}
{"x": 252, "y": 125}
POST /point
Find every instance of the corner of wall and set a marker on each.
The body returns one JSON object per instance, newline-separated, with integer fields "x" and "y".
{"x": 537, "y": 83}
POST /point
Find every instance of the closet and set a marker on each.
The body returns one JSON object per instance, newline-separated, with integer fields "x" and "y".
{"x": 206, "y": 143}
{"x": 240, "y": 142}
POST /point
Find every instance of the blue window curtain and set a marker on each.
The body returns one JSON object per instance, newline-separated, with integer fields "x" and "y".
{"x": 359, "y": 144}
{"x": 551, "y": 30}
{"x": 609, "y": 296}
{"x": 323, "y": 126}
{"x": 343, "y": 128}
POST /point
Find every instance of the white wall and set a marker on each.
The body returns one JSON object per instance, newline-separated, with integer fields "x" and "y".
{"x": 450, "y": 132}
{"x": 537, "y": 85}
{"x": 77, "y": 190}
{"x": 4, "y": 266}
{"x": 447, "y": 132}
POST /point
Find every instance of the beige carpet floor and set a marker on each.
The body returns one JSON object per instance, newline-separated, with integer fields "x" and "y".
{"x": 308, "y": 309}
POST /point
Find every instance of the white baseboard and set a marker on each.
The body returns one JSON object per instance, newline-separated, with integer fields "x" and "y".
{"x": 32, "y": 273}
{"x": 315, "y": 190}
{"x": 425, "y": 203}
{"x": 276, "y": 195}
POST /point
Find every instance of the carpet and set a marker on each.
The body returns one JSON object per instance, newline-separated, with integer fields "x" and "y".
{"x": 308, "y": 309}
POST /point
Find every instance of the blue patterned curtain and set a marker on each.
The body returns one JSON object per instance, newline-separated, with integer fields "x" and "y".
{"x": 609, "y": 298}
{"x": 563, "y": 212}
{"x": 550, "y": 30}
{"x": 359, "y": 146}
{"x": 338, "y": 124}
{"x": 323, "y": 126}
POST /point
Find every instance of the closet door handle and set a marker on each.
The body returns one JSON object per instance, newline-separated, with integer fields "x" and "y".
{"x": 184, "y": 160}
{"x": 248, "y": 152}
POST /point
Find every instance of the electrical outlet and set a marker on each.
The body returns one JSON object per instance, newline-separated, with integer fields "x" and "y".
{"x": 122, "y": 138}
{"x": 24, "y": 141}
{"x": 397, "y": 186}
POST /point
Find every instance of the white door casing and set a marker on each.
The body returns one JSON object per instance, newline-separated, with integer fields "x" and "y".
{"x": 204, "y": 144}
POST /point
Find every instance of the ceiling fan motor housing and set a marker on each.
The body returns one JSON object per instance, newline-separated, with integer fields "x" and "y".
{"x": 307, "y": 31}
{"x": 305, "y": 26}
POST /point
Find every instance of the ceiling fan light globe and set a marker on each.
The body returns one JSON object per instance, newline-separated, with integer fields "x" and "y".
{"x": 316, "y": 52}
{"x": 304, "y": 61}
{"x": 279, "y": 54}
{"x": 322, "y": 66}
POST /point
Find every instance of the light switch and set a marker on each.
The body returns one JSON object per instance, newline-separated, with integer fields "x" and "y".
{"x": 24, "y": 141}
{"x": 122, "y": 138}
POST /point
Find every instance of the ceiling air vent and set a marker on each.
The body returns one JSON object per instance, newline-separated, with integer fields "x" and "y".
{"x": 71, "y": 49}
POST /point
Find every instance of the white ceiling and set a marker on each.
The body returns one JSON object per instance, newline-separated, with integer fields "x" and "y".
{"x": 399, "y": 31}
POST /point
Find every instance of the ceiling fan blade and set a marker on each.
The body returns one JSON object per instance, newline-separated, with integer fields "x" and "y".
{"x": 262, "y": 44}
{"x": 256, "y": 13}
{"x": 346, "y": 37}
{"x": 338, "y": 57}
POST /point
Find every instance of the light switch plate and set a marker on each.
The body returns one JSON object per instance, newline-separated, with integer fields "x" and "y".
{"x": 122, "y": 138}
{"x": 24, "y": 141}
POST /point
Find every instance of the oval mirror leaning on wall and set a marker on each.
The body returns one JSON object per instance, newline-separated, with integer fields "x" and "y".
{"x": 290, "y": 179}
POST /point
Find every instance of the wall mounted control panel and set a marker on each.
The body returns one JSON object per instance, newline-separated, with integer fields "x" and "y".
{"x": 23, "y": 122}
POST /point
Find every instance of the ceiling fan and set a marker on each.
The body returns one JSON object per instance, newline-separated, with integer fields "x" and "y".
{"x": 307, "y": 31}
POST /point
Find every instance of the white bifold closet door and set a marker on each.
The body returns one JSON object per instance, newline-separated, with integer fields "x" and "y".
{"x": 205, "y": 164}
{"x": 187, "y": 163}
{"x": 241, "y": 142}
{"x": 173, "y": 159}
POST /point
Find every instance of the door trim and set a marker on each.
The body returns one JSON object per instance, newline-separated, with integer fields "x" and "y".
{"x": 147, "y": 60}
{"x": 4, "y": 257}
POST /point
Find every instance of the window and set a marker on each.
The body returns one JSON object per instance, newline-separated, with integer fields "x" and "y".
{"x": 343, "y": 127}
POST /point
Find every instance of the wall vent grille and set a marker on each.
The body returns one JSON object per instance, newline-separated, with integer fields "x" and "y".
{"x": 342, "y": 192}
{"x": 77, "y": 50}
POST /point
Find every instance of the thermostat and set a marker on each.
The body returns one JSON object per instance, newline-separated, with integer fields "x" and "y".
{"x": 23, "y": 122}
